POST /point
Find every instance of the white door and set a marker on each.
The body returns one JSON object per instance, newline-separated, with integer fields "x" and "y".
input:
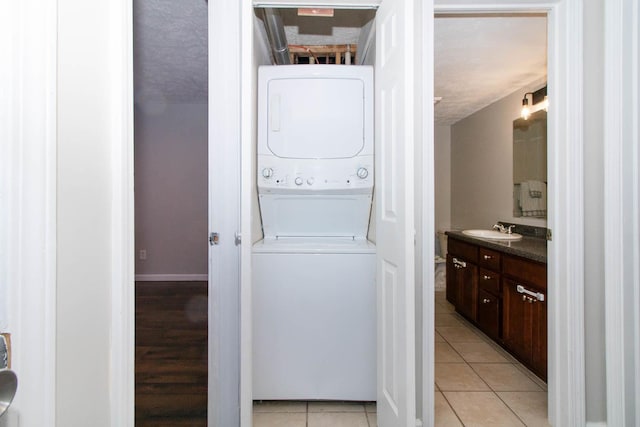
{"x": 394, "y": 78}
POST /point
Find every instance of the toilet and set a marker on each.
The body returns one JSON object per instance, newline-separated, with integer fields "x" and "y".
{"x": 440, "y": 268}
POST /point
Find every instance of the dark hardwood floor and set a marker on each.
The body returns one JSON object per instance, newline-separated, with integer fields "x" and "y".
{"x": 171, "y": 354}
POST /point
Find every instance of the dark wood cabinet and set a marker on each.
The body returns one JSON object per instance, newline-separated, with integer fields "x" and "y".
{"x": 467, "y": 278}
{"x": 488, "y": 315}
{"x": 504, "y": 296}
{"x": 462, "y": 278}
{"x": 525, "y": 313}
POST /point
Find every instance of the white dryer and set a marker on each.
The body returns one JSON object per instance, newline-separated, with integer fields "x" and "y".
{"x": 314, "y": 292}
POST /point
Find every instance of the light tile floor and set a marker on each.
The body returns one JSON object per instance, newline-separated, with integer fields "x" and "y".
{"x": 314, "y": 414}
{"x": 477, "y": 384}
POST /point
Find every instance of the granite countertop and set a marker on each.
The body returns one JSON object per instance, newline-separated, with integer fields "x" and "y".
{"x": 532, "y": 248}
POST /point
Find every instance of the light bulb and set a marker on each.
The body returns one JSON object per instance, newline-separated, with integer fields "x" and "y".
{"x": 525, "y": 108}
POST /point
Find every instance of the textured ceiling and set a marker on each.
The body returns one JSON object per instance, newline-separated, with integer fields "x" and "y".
{"x": 481, "y": 60}
{"x": 170, "y": 51}
{"x": 478, "y": 60}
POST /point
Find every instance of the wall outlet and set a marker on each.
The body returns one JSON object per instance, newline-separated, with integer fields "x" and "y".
{"x": 143, "y": 254}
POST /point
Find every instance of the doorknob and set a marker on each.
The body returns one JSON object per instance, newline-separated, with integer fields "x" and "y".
{"x": 8, "y": 387}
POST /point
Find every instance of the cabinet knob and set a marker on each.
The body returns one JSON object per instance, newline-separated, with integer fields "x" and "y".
{"x": 485, "y": 277}
{"x": 487, "y": 256}
{"x": 486, "y": 301}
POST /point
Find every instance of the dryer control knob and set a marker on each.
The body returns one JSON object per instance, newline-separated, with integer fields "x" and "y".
{"x": 310, "y": 181}
{"x": 298, "y": 181}
{"x": 267, "y": 172}
{"x": 362, "y": 173}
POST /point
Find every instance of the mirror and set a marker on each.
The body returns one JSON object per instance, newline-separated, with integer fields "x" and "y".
{"x": 530, "y": 166}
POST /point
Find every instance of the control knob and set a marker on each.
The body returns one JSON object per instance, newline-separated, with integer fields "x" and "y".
{"x": 298, "y": 181}
{"x": 267, "y": 172}
{"x": 362, "y": 173}
{"x": 310, "y": 181}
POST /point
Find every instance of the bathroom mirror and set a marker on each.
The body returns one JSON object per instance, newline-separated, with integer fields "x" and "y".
{"x": 530, "y": 166}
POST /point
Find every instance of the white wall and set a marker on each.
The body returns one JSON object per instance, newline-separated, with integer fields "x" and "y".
{"x": 171, "y": 188}
{"x": 84, "y": 217}
{"x": 482, "y": 165}
{"x": 442, "y": 169}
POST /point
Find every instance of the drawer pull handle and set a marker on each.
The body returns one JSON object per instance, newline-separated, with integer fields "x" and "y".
{"x": 485, "y": 277}
{"x": 486, "y": 301}
{"x": 536, "y": 295}
{"x": 487, "y": 256}
{"x": 459, "y": 264}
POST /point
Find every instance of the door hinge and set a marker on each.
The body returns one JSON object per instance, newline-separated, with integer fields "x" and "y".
{"x": 238, "y": 238}
{"x": 549, "y": 237}
{"x": 214, "y": 238}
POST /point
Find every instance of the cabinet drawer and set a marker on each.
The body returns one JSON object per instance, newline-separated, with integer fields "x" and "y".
{"x": 489, "y": 281}
{"x": 463, "y": 250}
{"x": 526, "y": 271}
{"x": 489, "y": 259}
{"x": 488, "y": 314}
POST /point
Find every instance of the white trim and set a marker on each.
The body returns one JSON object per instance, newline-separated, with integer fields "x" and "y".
{"x": 566, "y": 218}
{"x": 224, "y": 214}
{"x": 29, "y": 105}
{"x": 172, "y": 277}
{"x": 427, "y": 219}
{"x": 600, "y": 424}
{"x": 122, "y": 348}
{"x": 621, "y": 188}
{"x": 247, "y": 140}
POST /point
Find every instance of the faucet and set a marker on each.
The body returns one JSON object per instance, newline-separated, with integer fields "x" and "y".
{"x": 502, "y": 228}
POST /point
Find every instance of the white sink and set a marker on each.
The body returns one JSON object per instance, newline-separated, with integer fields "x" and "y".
{"x": 493, "y": 235}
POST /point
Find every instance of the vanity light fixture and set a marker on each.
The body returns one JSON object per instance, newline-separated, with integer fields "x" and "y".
{"x": 526, "y": 112}
{"x": 543, "y": 103}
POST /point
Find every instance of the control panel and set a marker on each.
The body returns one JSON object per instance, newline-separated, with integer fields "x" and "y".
{"x": 315, "y": 175}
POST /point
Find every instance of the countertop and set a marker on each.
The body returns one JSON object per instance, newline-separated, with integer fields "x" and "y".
{"x": 532, "y": 248}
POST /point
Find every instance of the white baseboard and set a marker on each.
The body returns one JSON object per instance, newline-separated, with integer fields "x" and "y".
{"x": 171, "y": 278}
{"x": 598, "y": 424}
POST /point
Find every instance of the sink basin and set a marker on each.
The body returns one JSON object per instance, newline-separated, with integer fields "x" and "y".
{"x": 493, "y": 235}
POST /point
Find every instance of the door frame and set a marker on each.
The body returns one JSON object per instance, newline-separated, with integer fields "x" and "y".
{"x": 566, "y": 395}
{"x": 621, "y": 197}
{"x": 566, "y": 310}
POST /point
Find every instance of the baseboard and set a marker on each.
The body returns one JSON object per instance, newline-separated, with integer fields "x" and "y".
{"x": 596, "y": 424}
{"x": 171, "y": 277}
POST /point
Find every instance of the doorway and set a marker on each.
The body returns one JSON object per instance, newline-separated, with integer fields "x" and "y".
{"x": 171, "y": 197}
{"x": 498, "y": 58}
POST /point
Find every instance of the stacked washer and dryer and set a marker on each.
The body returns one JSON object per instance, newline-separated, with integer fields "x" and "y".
{"x": 314, "y": 289}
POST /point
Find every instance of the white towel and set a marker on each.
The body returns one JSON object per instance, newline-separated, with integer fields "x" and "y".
{"x": 533, "y": 198}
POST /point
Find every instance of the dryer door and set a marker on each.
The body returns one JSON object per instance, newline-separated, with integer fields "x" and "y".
{"x": 315, "y": 118}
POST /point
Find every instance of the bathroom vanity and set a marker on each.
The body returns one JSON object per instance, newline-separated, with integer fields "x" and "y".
{"x": 501, "y": 288}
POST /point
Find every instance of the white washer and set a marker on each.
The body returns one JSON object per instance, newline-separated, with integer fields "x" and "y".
{"x": 314, "y": 292}
{"x": 314, "y": 318}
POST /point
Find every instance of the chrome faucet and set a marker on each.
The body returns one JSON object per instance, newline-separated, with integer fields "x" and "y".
{"x": 502, "y": 228}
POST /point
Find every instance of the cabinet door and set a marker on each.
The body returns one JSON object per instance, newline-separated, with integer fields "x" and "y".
{"x": 539, "y": 344}
{"x": 517, "y": 321}
{"x": 467, "y": 279}
{"x": 488, "y": 314}
{"x": 452, "y": 282}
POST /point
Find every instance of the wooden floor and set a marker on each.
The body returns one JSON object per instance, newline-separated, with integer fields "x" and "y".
{"x": 171, "y": 354}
